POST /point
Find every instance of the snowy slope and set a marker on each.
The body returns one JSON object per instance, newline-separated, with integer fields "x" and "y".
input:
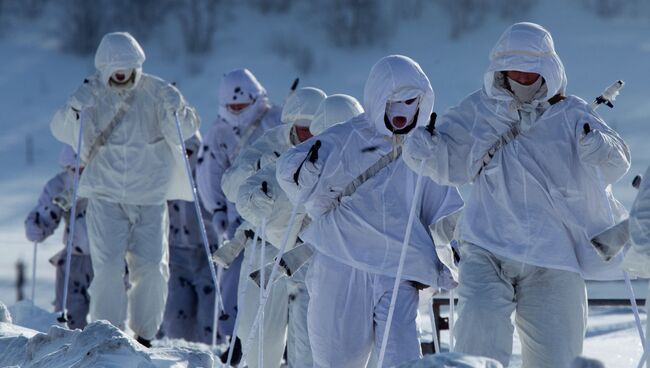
{"x": 36, "y": 78}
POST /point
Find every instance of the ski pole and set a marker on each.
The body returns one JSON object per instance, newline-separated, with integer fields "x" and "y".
{"x": 434, "y": 328}
{"x": 312, "y": 156}
{"x": 34, "y": 272}
{"x": 607, "y": 98}
{"x": 204, "y": 235}
{"x": 274, "y": 271}
{"x": 63, "y": 318}
{"x": 260, "y": 342}
{"x": 400, "y": 267}
{"x": 249, "y": 266}
{"x": 451, "y": 320}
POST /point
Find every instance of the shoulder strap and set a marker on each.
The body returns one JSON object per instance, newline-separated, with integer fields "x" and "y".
{"x": 509, "y": 136}
{"x": 102, "y": 138}
{"x": 379, "y": 165}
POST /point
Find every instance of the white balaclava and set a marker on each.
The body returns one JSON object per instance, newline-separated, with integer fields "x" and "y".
{"x": 527, "y": 93}
{"x": 240, "y": 86}
{"x": 300, "y": 107}
{"x": 397, "y": 78}
{"x": 119, "y": 51}
{"x": 406, "y": 107}
{"x": 333, "y": 110}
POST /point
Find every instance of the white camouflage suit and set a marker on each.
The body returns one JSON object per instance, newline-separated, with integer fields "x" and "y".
{"x": 225, "y": 140}
{"x": 358, "y": 237}
{"x": 128, "y": 180}
{"x": 190, "y": 303}
{"x": 526, "y": 229}
{"x": 242, "y": 184}
{"x": 42, "y": 221}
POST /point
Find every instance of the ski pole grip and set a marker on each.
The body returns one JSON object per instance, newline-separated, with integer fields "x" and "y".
{"x": 313, "y": 152}
{"x": 636, "y": 182}
{"x": 586, "y": 128}
{"x": 431, "y": 126}
{"x": 294, "y": 85}
{"x": 265, "y": 187}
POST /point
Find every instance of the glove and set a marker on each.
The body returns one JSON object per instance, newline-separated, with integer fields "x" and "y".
{"x": 262, "y": 203}
{"x": 34, "y": 232}
{"x": 419, "y": 146}
{"x": 309, "y": 174}
{"x": 172, "y": 98}
{"x": 220, "y": 222}
{"x": 591, "y": 146}
{"x": 83, "y": 97}
{"x": 418, "y": 285}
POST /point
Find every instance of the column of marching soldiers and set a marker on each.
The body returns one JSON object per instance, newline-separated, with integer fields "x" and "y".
{"x": 326, "y": 217}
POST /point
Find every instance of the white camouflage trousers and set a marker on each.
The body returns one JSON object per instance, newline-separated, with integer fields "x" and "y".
{"x": 139, "y": 234}
{"x": 550, "y": 310}
{"x": 347, "y": 314}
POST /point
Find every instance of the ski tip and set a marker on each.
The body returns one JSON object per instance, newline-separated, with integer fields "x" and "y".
{"x": 636, "y": 182}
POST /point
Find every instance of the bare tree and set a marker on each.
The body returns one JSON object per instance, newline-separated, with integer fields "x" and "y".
{"x": 272, "y": 6}
{"x": 83, "y": 23}
{"x": 141, "y": 17}
{"x": 353, "y": 23}
{"x": 464, "y": 15}
{"x": 198, "y": 21}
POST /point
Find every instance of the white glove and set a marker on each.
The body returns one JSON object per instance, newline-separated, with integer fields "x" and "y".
{"x": 83, "y": 97}
{"x": 220, "y": 222}
{"x": 592, "y": 147}
{"x": 172, "y": 99}
{"x": 262, "y": 202}
{"x": 419, "y": 146}
{"x": 309, "y": 174}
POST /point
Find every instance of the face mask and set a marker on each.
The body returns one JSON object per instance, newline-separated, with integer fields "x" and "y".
{"x": 401, "y": 113}
{"x": 123, "y": 78}
{"x": 525, "y": 93}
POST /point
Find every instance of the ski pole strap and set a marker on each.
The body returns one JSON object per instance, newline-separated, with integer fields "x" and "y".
{"x": 383, "y": 161}
{"x": 508, "y": 137}
{"x": 102, "y": 138}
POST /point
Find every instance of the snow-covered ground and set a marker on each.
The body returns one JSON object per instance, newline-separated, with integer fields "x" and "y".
{"x": 36, "y": 78}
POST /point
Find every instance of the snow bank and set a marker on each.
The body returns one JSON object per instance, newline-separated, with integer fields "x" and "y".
{"x": 452, "y": 360}
{"x": 26, "y": 314}
{"x": 100, "y": 344}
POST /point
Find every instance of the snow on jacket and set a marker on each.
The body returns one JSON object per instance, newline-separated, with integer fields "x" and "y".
{"x": 366, "y": 229}
{"x": 141, "y": 161}
{"x": 228, "y": 137}
{"x": 46, "y": 216}
{"x": 546, "y": 193}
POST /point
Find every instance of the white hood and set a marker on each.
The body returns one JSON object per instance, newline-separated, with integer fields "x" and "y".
{"x": 118, "y": 50}
{"x": 333, "y": 110}
{"x": 300, "y": 107}
{"x": 393, "y": 78}
{"x": 525, "y": 47}
{"x": 241, "y": 86}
